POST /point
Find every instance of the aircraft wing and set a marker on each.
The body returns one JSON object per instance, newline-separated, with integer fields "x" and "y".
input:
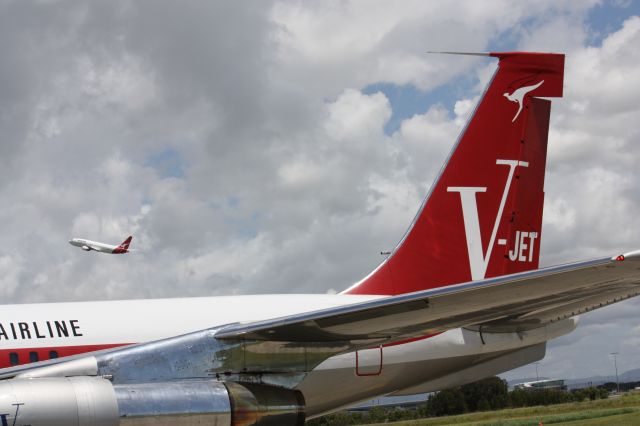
{"x": 511, "y": 303}
{"x": 514, "y": 302}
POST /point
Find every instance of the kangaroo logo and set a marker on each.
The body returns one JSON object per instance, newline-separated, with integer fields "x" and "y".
{"x": 478, "y": 260}
{"x": 518, "y": 96}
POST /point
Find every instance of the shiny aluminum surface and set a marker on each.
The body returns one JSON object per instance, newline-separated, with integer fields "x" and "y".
{"x": 265, "y": 405}
{"x": 85, "y": 366}
{"x": 183, "y": 403}
{"x": 202, "y": 355}
{"x": 93, "y": 401}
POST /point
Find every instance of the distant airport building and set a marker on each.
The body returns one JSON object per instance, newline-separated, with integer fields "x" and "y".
{"x": 542, "y": 384}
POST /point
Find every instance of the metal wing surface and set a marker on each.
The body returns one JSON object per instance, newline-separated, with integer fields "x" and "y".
{"x": 511, "y": 303}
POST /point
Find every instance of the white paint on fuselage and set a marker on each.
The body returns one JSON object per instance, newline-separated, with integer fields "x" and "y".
{"x": 135, "y": 321}
{"x": 433, "y": 360}
{"x": 93, "y": 245}
{"x": 453, "y": 343}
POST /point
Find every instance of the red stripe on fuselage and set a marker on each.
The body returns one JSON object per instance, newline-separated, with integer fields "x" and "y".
{"x": 28, "y": 355}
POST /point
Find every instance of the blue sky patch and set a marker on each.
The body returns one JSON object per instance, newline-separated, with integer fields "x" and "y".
{"x": 168, "y": 163}
{"x": 246, "y": 227}
{"x": 406, "y": 100}
{"x": 608, "y": 17}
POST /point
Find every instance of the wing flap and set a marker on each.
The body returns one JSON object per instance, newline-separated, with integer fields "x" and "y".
{"x": 524, "y": 300}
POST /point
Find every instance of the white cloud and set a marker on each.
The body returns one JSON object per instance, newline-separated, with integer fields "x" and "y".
{"x": 355, "y": 116}
{"x": 357, "y": 42}
{"x": 125, "y": 85}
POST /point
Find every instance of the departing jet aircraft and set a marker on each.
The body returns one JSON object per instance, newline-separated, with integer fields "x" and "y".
{"x": 460, "y": 298}
{"x": 88, "y": 245}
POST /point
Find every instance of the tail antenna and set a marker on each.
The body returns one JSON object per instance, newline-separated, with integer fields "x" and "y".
{"x": 461, "y": 53}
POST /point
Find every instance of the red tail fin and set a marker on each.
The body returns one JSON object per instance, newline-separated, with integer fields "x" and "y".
{"x": 483, "y": 216}
{"x": 125, "y": 243}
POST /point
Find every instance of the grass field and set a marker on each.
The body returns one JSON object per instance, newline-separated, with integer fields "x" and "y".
{"x": 623, "y": 410}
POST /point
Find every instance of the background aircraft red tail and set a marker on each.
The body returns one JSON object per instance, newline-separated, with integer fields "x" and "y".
{"x": 124, "y": 247}
{"x": 482, "y": 217}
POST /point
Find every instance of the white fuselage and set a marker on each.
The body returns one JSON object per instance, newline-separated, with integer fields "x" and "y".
{"x": 89, "y": 245}
{"x": 434, "y": 362}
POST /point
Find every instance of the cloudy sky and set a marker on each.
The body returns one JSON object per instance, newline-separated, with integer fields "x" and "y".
{"x": 275, "y": 147}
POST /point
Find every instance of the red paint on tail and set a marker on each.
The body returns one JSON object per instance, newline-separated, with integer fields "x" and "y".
{"x": 124, "y": 247}
{"x": 483, "y": 215}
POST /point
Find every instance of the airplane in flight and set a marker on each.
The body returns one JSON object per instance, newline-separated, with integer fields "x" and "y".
{"x": 460, "y": 298}
{"x": 88, "y": 245}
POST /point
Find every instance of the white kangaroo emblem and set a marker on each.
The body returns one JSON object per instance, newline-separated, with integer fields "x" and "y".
{"x": 518, "y": 96}
{"x": 478, "y": 260}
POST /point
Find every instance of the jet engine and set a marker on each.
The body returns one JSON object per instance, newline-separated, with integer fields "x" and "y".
{"x": 94, "y": 401}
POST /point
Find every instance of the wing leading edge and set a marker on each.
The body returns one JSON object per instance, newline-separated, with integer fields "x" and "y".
{"x": 514, "y": 302}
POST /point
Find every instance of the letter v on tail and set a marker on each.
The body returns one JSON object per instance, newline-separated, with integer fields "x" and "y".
{"x": 478, "y": 260}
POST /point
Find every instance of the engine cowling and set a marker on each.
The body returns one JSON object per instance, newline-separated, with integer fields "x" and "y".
{"x": 92, "y": 401}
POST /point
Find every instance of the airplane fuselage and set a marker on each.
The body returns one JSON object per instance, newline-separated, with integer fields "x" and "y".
{"x": 36, "y": 332}
{"x": 88, "y": 245}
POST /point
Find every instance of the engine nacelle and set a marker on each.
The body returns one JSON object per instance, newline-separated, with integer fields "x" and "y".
{"x": 91, "y": 401}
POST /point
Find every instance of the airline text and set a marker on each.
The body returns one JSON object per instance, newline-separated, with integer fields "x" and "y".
{"x": 39, "y": 330}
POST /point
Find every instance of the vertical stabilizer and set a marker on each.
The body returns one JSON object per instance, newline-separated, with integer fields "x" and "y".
{"x": 124, "y": 247}
{"x": 483, "y": 215}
